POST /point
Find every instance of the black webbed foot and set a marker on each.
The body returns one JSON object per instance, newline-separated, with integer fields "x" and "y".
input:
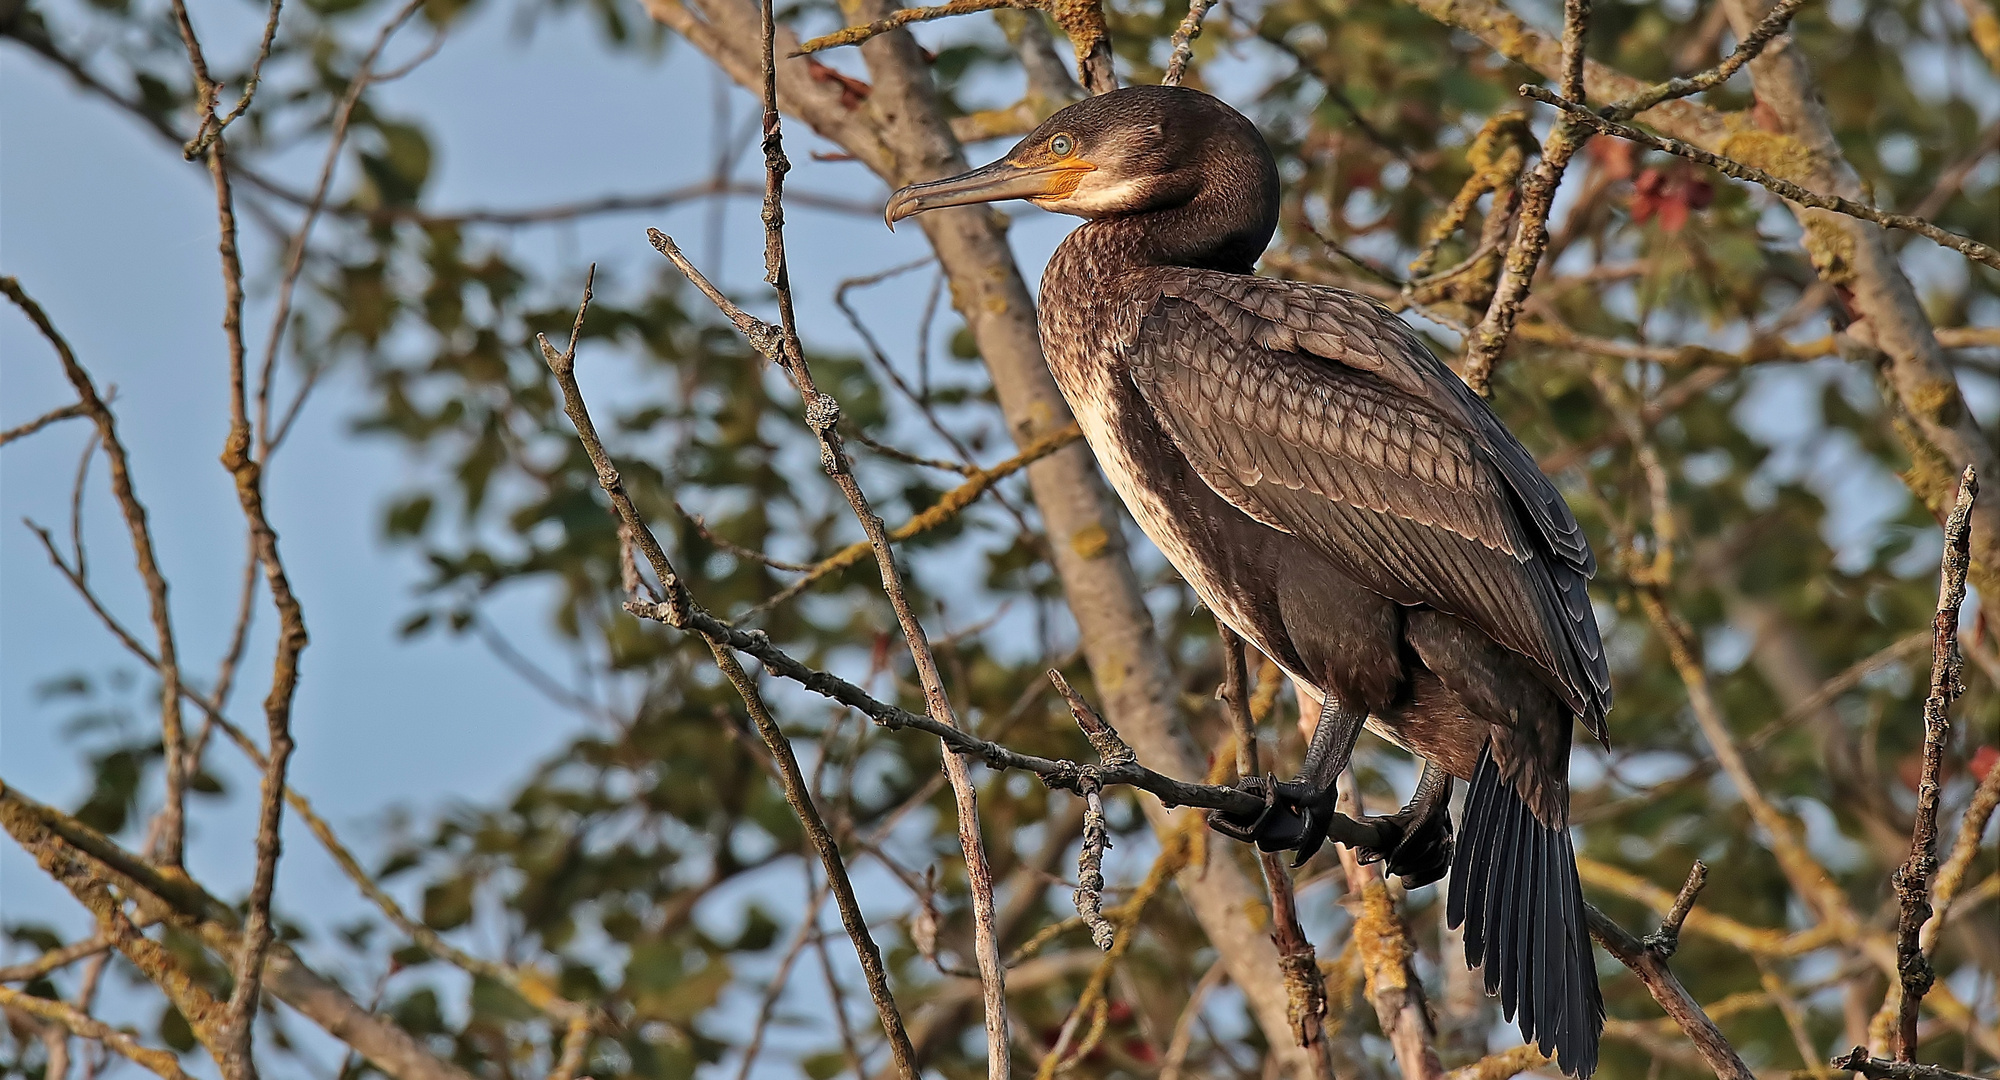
{"x": 1419, "y": 850}
{"x": 1418, "y": 839}
{"x": 1297, "y": 813}
{"x": 1294, "y": 816}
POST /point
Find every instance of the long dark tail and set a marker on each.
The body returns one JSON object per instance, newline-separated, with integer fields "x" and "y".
{"x": 1514, "y": 888}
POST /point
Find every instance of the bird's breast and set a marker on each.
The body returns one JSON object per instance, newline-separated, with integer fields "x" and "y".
{"x": 1193, "y": 527}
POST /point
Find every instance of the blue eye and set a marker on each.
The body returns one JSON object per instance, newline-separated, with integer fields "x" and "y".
{"x": 1062, "y": 146}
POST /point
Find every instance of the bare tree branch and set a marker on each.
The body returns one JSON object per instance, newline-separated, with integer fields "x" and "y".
{"x": 680, "y": 610}
{"x": 173, "y": 827}
{"x": 1182, "y": 44}
{"x": 1912, "y": 880}
{"x": 93, "y": 863}
{"x": 855, "y": 35}
{"x": 67, "y": 412}
{"x": 1858, "y": 1061}
{"x": 822, "y": 416}
{"x": 1673, "y": 998}
{"x": 163, "y": 1062}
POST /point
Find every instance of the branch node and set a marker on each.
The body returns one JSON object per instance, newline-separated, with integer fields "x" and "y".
{"x": 1667, "y": 939}
{"x": 1111, "y": 749}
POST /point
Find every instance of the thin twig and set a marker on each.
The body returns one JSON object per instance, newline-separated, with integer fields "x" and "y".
{"x": 1665, "y": 941}
{"x": 1183, "y": 1037}
{"x": 1177, "y": 849}
{"x": 1785, "y": 189}
{"x": 1183, "y": 42}
{"x": 213, "y": 126}
{"x": 808, "y": 923}
{"x": 1673, "y": 998}
{"x": 173, "y": 826}
{"x": 853, "y": 431}
{"x": 1971, "y": 827}
{"x": 680, "y": 610}
{"x": 295, "y": 255}
{"x": 1089, "y": 894}
{"x": 948, "y": 507}
{"x": 54, "y": 960}
{"x": 163, "y": 1062}
{"x": 575, "y": 1045}
{"x": 1757, "y": 941}
{"x": 730, "y": 547}
{"x": 823, "y": 416}
{"x": 1773, "y": 24}
{"x": 1531, "y": 236}
{"x": 1305, "y": 986}
{"x": 67, "y": 412}
{"x": 1912, "y": 880}
{"x": 855, "y": 35}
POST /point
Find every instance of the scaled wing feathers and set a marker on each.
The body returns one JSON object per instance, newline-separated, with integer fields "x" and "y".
{"x": 1318, "y": 412}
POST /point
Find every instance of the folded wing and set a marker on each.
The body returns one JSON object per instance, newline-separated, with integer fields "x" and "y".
{"x": 1318, "y": 412}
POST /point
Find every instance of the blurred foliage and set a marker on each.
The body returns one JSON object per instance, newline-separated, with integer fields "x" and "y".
{"x": 652, "y": 866}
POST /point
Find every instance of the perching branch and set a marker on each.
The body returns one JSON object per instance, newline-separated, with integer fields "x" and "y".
{"x": 1874, "y": 1068}
{"x": 1055, "y": 773}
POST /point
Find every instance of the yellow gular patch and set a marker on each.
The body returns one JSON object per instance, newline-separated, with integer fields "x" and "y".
{"x": 1063, "y": 181}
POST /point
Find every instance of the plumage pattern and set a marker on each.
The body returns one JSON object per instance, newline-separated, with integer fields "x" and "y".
{"x": 1317, "y": 412}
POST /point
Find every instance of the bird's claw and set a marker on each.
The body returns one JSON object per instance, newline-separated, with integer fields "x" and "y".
{"x": 1294, "y": 816}
{"x": 1417, "y": 849}
{"x": 1248, "y": 828}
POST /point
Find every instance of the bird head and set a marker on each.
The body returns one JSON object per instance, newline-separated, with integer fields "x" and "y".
{"x": 1131, "y": 151}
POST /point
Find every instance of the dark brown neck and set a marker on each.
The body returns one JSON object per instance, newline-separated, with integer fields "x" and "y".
{"x": 1225, "y": 227}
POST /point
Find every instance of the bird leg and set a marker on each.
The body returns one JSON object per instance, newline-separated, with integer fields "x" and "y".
{"x": 1299, "y": 813}
{"x": 1419, "y": 840}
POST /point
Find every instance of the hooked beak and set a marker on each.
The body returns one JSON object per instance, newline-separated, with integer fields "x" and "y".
{"x": 1001, "y": 180}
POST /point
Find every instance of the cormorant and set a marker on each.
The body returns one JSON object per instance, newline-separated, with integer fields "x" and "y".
{"x": 1340, "y": 499}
